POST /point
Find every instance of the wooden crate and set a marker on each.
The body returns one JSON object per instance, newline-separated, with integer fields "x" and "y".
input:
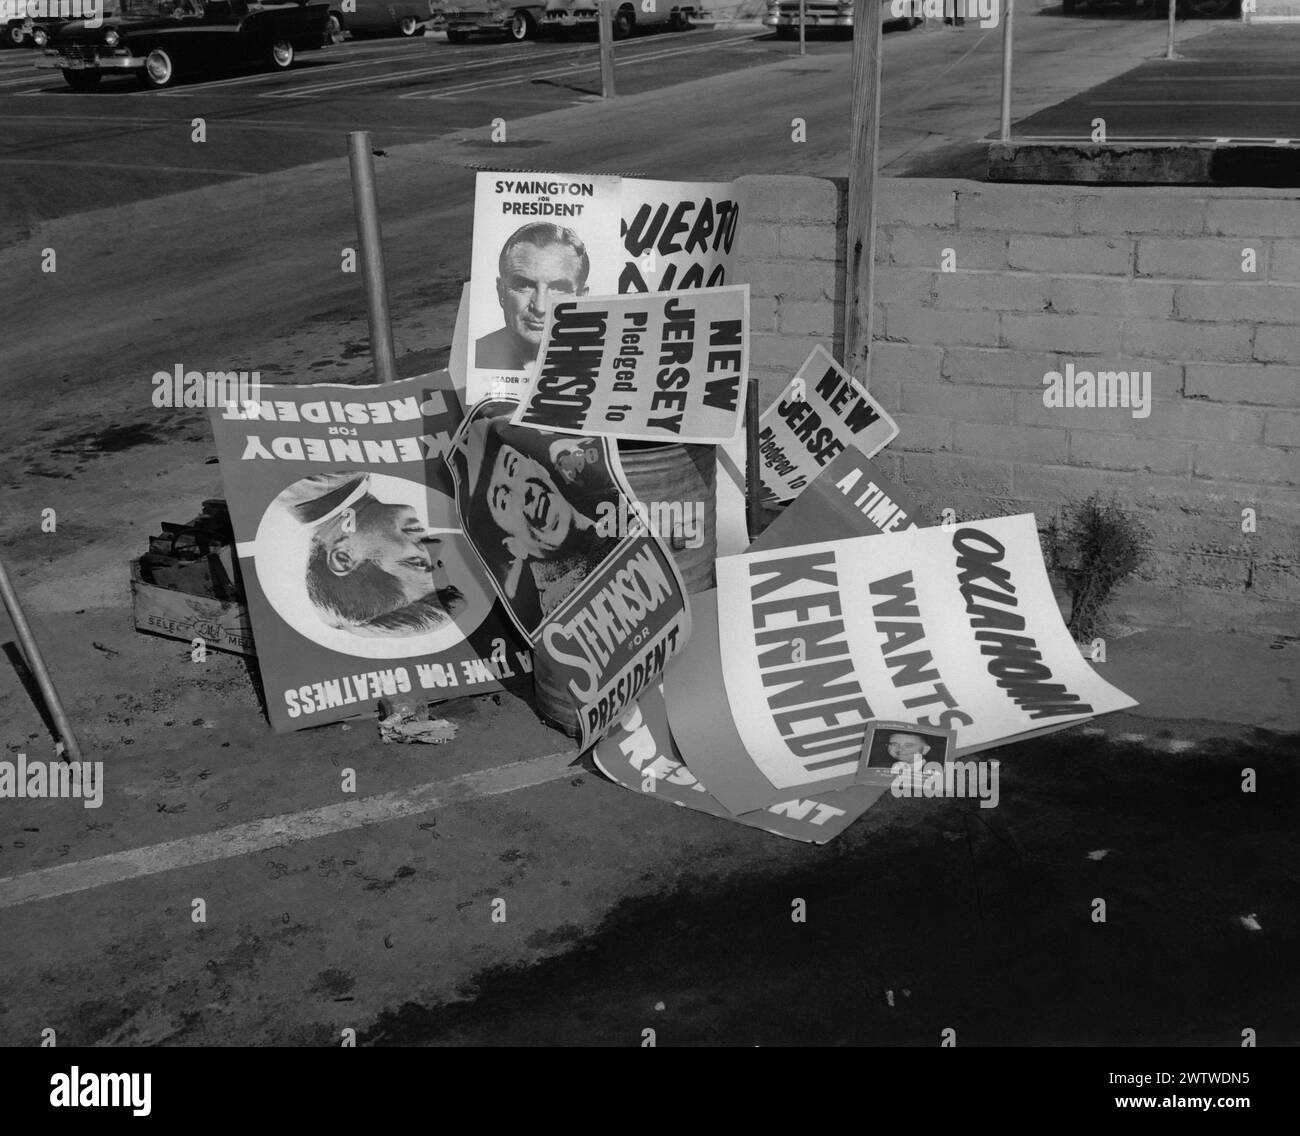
{"x": 178, "y": 615}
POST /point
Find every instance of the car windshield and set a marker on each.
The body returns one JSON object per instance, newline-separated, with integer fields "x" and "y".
{"x": 161, "y": 8}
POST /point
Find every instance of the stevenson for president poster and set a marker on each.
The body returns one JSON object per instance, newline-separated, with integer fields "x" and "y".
{"x": 359, "y": 581}
{"x": 597, "y": 595}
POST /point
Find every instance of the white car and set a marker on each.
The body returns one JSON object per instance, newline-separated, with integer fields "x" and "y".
{"x": 566, "y": 15}
{"x": 783, "y": 15}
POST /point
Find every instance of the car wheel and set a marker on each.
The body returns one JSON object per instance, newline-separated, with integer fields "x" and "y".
{"x": 333, "y": 26}
{"x": 681, "y": 21}
{"x": 279, "y": 56}
{"x": 522, "y": 27}
{"x": 158, "y": 70}
{"x": 410, "y": 26}
{"x": 15, "y": 36}
{"x": 458, "y": 37}
{"x": 624, "y": 21}
{"x": 82, "y": 80}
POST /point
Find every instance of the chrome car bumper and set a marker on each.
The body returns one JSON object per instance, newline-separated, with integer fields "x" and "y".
{"x": 811, "y": 20}
{"x": 105, "y": 63}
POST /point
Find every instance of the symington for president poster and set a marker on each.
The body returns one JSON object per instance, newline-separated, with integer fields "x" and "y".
{"x": 594, "y": 591}
{"x": 537, "y": 238}
{"x": 541, "y": 238}
{"x": 359, "y": 581}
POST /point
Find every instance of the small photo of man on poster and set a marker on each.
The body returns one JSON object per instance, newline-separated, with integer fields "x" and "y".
{"x": 531, "y": 502}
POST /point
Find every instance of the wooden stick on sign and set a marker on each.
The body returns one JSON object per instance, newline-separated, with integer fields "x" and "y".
{"x": 864, "y": 140}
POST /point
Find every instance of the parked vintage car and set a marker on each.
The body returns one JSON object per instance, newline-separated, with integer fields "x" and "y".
{"x": 160, "y": 40}
{"x": 378, "y": 17}
{"x": 783, "y": 15}
{"x": 517, "y": 19}
{"x": 566, "y": 15}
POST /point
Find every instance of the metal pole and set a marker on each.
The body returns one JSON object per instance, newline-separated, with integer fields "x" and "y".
{"x": 801, "y": 12}
{"x": 1169, "y": 42}
{"x": 372, "y": 255}
{"x": 37, "y": 665}
{"x": 605, "y": 16}
{"x": 753, "y": 475}
{"x": 863, "y": 143}
{"x": 1008, "y": 15}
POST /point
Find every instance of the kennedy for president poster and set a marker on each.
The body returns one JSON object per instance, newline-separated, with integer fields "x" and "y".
{"x": 358, "y": 578}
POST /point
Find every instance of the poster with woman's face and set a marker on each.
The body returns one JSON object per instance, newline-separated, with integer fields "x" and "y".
{"x": 537, "y": 506}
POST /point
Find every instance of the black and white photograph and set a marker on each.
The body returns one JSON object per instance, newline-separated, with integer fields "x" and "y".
{"x": 888, "y": 745}
{"x": 339, "y": 710}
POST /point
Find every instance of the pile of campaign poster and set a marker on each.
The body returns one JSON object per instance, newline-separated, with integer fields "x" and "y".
{"x": 599, "y": 599}
{"x": 359, "y": 580}
{"x": 443, "y": 535}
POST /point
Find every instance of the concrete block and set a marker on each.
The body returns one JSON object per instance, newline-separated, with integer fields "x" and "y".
{"x": 1146, "y": 211}
{"x": 1277, "y": 344}
{"x": 1002, "y": 368}
{"x": 1092, "y": 295}
{"x": 1261, "y": 384}
{"x": 1125, "y": 452}
{"x": 1199, "y": 258}
{"x": 924, "y": 248}
{"x": 961, "y": 403}
{"x": 807, "y": 242}
{"x": 1239, "y": 303}
{"x": 1064, "y": 256}
{"x": 1271, "y": 464}
{"x": 928, "y": 325}
{"x": 1039, "y": 444}
{"x": 1175, "y": 339}
{"x": 1093, "y": 335}
{"x": 991, "y": 291}
{"x": 906, "y": 362}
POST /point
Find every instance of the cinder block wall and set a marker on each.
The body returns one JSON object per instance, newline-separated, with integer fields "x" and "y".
{"x": 1101, "y": 278}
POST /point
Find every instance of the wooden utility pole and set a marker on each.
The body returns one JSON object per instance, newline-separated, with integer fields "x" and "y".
{"x": 863, "y": 145}
{"x": 605, "y": 18}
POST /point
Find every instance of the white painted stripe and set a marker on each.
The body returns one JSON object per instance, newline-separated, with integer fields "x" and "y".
{"x": 384, "y": 77}
{"x": 142, "y": 167}
{"x": 1194, "y": 102}
{"x": 574, "y": 69}
{"x": 277, "y": 831}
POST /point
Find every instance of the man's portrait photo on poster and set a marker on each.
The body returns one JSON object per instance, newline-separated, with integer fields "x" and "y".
{"x": 352, "y": 555}
{"x": 531, "y": 502}
{"x": 540, "y": 263}
{"x": 887, "y": 744}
